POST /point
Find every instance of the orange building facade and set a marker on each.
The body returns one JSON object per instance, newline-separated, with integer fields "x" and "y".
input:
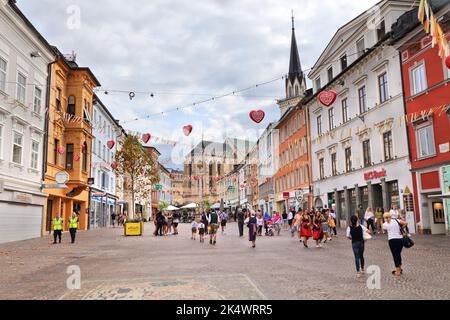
{"x": 69, "y": 141}
{"x": 293, "y": 177}
{"x": 294, "y": 172}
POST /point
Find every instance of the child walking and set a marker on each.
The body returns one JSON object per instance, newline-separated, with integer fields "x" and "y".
{"x": 201, "y": 231}
{"x": 194, "y": 229}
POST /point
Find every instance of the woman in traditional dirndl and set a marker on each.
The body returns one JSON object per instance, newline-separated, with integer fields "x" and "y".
{"x": 305, "y": 229}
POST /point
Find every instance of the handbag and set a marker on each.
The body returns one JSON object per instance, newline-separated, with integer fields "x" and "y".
{"x": 406, "y": 240}
{"x": 366, "y": 236}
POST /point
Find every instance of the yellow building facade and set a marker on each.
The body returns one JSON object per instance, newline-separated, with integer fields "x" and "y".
{"x": 69, "y": 141}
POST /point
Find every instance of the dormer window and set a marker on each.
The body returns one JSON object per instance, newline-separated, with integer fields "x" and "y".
{"x": 318, "y": 84}
{"x": 381, "y": 30}
{"x": 330, "y": 73}
{"x": 343, "y": 62}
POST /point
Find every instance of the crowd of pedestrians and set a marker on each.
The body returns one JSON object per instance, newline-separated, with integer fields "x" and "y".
{"x": 318, "y": 225}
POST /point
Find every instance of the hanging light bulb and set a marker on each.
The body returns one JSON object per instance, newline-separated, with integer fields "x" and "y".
{"x": 132, "y": 95}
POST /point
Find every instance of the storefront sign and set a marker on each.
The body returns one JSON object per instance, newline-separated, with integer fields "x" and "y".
{"x": 22, "y": 197}
{"x": 299, "y": 196}
{"x": 285, "y": 195}
{"x": 134, "y": 228}
{"x": 444, "y": 148}
{"x": 374, "y": 175}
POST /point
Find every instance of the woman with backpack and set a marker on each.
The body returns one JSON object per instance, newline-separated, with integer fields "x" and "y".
{"x": 394, "y": 228}
{"x": 355, "y": 232}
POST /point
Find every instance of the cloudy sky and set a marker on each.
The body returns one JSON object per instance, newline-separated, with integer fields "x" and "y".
{"x": 188, "y": 51}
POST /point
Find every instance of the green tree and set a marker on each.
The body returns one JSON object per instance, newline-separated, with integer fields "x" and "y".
{"x": 162, "y": 205}
{"x": 136, "y": 167}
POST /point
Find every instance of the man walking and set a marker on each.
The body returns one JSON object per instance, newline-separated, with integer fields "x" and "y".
{"x": 57, "y": 228}
{"x": 213, "y": 221}
{"x": 241, "y": 219}
{"x": 73, "y": 226}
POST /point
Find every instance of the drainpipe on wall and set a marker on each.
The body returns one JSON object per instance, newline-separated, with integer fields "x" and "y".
{"x": 46, "y": 137}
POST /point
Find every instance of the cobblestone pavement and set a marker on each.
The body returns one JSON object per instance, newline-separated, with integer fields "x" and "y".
{"x": 175, "y": 267}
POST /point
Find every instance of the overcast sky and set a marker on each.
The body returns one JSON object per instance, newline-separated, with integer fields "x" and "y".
{"x": 203, "y": 47}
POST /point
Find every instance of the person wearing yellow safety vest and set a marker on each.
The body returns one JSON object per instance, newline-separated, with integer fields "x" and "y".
{"x": 73, "y": 226}
{"x": 57, "y": 228}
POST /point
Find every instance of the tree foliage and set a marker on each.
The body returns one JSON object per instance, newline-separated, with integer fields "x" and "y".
{"x": 162, "y": 205}
{"x": 137, "y": 168}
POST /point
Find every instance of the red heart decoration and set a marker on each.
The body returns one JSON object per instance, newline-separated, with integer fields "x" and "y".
{"x": 447, "y": 62}
{"x": 110, "y": 144}
{"x": 187, "y": 130}
{"x": 327, "y": 98}
{"x": 195, "y": 178}
{"x": 216, "y": 179}
{"x": 146, "y": 137}
{"x": 61, "y": 150}
{"x": 76, "y": 158}
{"x": 114, "y": 165}
{"x": 257, "y": 115}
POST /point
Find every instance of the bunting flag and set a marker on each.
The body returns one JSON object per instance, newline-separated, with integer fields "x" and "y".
{"x": 409, "y": 118}
{"x": 421, "y": 12}
{"x": 433, "y": 28}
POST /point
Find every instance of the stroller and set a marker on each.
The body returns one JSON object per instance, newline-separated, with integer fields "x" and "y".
{"x": 277, "y": 227}
{"x": 270, "y": 228}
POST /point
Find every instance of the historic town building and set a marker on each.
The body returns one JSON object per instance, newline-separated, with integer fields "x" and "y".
{"x": 426, "y": 85}
{"x": 24, "y": 60}
{"x": 267, "y": 146}
{"x": 293, "y": 171}
{"x": 69, "y": 140}
{"x": 177, "y": 177}
{"x": 165, "y": 183}
{"x": 358, "y": 143}
{"x": 207, "y": 163}
{"x": 103, "y": 191}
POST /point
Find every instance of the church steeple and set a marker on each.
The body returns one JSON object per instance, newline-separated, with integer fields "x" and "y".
{"x": 295, "y": 81}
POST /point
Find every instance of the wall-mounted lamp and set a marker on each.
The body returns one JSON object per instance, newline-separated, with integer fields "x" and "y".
{"x": 35, "y": 54}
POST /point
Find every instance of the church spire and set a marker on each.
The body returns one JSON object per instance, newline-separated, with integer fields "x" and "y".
{"x": 295, "y": 67}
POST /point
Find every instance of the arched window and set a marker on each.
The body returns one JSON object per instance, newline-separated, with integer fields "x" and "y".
{"x": 85, "y": 156}
{"x": 71, "y": 105}
{"x": 297, "y": 91}
{"x": 290, "y": 92}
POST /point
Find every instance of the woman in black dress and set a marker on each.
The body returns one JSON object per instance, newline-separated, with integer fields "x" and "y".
{"x": 252, "y": 229}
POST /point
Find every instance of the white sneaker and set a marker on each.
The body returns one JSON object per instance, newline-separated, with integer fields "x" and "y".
{"x": 358, "y": 275}
{"x": 362, "y": 271}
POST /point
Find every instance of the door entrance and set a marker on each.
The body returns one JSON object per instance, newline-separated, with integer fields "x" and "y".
{"x": 437, "y": 217}
{"x": 48, "y": 223}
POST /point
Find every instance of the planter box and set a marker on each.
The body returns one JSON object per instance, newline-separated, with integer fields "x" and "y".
{"x": 133, "y": 229}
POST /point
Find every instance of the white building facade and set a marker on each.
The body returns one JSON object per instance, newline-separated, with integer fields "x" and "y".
{"x": 267, "y": 146}
{"x": 165, "y": 180}
{"x": 104, "y": 197}
{"x": 359, "y": 144}
{"x": 24, "y": 60}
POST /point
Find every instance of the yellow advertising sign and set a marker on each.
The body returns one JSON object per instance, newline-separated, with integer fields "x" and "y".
{"x": 133, "y": 228}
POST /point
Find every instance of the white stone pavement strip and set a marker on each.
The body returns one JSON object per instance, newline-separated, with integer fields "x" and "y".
{"x": 204, "y": 287}
{"x": 174, "y": 267}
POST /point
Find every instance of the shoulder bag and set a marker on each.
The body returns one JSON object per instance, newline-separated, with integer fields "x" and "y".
{"x": 407, "y": 241}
